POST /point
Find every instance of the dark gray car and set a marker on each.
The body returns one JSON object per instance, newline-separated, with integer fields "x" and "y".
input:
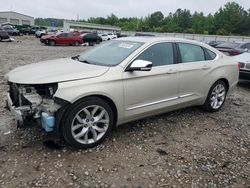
{"x": 11, "y": 31}
{"x": 3, "y": 34}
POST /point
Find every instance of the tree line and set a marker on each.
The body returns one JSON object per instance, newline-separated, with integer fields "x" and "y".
{"x": 231, "y": 19}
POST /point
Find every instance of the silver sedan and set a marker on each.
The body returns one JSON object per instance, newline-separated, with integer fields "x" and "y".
{"x": 82, "y": 98}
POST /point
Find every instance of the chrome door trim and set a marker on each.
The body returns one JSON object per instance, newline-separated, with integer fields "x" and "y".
{"x": 152, "y": 103}
{"x": 187, "y": 95}
{"x": 158, "y": 102}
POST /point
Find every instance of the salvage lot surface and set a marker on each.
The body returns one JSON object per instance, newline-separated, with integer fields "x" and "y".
{"x": 186, "y": 148}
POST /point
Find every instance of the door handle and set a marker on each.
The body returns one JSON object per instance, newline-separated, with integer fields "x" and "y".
{"x": 205, "y": 67}
{"x": 171, "y": 71}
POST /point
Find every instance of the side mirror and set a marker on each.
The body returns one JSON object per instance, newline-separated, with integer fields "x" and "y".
{"x": 140, "y": 65}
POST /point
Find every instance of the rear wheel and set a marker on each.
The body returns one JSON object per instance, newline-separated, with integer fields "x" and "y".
{"x": 0, "y": 39}
{"x": 216, "y": 97}
{"x": 88, "y": 123}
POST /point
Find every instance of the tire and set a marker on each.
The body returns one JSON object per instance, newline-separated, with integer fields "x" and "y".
{"x": 76, "y": 43}
{"x": 91, "y": 43}
{"x": 51, "y": 43}
{"x": 86, "y": 131}
{"x": 0, "y": 39}
{"x": 216, "y": 97}
{"x": 98, "y": 42}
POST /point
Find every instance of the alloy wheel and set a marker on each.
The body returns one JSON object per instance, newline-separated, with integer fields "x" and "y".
{"x": 90, "y": 124}
{"x": 218, "y": 96}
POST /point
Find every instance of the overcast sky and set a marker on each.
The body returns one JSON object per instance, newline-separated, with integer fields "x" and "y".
{"x": 69, "y": 9}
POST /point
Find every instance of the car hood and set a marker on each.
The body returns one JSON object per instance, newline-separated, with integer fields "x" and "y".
{"x": 59, "y": 70}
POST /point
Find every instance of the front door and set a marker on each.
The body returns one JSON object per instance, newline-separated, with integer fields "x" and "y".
{"x": 146, "y": 92}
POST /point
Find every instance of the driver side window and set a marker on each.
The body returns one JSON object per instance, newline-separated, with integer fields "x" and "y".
{"x": 159, "y": 54}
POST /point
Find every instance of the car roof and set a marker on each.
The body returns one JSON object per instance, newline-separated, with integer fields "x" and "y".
{"x": 152, "y": 39}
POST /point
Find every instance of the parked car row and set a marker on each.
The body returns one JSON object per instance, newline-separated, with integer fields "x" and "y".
{"x": 71, "y": 38}
{"x": 27, "y": 29}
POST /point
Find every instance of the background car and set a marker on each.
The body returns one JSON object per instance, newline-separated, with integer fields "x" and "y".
{"x": 64, "y": 39}
{"x": 112, "y": 36}
{"x": 3, "y": 34}
{"x": 11, "y": 30}
{"x": 244, "y": 60}
{"x": 233, "y": 48}
{"x": 214, "y": 43}
{"x": 45, "y": 31}
{"x": 91, "y": 38}
{"x": 104, "y": 37}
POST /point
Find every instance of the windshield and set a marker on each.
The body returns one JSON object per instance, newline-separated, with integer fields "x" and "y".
{"x": 109, "y": 53}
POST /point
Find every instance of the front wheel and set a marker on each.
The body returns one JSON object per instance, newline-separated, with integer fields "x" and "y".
{"x": 216, "y": 97}
{"x": 88, "y": 123}
{"x": 52, "y": 43}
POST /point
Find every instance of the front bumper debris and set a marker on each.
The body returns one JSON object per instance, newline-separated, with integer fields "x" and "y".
{"x": 17, "y": 113}
{"x": 37, "y": 106}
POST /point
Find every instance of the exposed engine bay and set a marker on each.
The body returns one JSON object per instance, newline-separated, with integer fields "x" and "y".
{"x": 32, "y": 101}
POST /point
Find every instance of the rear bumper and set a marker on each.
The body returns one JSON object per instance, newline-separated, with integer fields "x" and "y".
{"x": 244, "y": 75}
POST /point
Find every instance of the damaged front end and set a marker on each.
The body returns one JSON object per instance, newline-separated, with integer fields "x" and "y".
{"x": 27, "y": 102}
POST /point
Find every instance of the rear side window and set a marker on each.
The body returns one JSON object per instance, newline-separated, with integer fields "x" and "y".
{"x": 70, "y": 34}
{"x": 211, "y": 55}
{"x": 191, "y": 53}
{"x": 159, "y": 54}
{"x": 63, "y": 35}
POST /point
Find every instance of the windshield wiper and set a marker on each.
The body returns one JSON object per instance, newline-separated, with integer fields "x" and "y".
{"x": 77, "y": 58}
{"x": 84, "y": 61}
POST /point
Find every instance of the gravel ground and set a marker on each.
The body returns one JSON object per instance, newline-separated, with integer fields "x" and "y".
{"x": 185, "y": 148}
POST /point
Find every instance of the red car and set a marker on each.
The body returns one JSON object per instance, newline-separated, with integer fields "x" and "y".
{"x": 62, "y": 39}
{"x": 231, "y": 48}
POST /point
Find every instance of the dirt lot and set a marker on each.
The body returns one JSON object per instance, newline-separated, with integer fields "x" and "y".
{"x": 186, "y": 148}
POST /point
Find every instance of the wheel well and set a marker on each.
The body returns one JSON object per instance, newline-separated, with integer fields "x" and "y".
{"x": 61, "y": 114}
{"x": 226, "y": 82}
{"x": 108, "y": 100}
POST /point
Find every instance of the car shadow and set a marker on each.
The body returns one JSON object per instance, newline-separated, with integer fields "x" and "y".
{"x": 244, "y": 84}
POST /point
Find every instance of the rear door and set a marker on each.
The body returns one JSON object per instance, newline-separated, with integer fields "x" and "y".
{"x": 146, "y": 92}
{"x": 70, "y": 38}
{"x": 195, "y": 70}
